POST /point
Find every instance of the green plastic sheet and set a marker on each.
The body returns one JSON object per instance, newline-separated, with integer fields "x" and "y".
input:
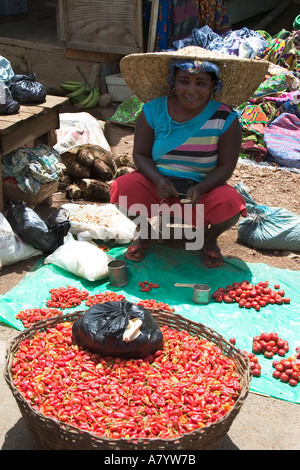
{"x": 167, "y": 266}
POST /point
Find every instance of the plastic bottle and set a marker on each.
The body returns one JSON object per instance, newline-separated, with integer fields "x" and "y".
{"x": 296, "y": 24}
{"x": 2, "y": 92}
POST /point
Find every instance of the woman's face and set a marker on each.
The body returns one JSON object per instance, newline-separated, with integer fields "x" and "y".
{"x": 193, "y": 90}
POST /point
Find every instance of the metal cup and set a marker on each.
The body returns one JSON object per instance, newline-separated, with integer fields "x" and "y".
{"x": 117, "y": 272}
{"x": 201, "y": 294}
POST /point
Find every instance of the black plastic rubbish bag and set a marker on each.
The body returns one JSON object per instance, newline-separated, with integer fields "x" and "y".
{"x": 9, "y": 106}
{"x": 42, "y": 235}
{"x": 25, "y": 89}
{"x": 101, "y": 330}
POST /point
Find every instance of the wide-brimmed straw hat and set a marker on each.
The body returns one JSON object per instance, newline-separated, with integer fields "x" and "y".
{"x": 146, "y": 74}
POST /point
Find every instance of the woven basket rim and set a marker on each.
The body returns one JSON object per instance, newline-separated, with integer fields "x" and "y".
{"x": 50, "y": 322}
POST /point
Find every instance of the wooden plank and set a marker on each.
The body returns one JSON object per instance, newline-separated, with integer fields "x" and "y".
{"x": 11, "y": 192}
{"x": 95, "y": 70}
{"x": 61, "y": 20}
{"x": 13, "y": 121}
{"x": 87, "y": 46}
{"x": 30, "y": 130}
{"x": 9, "y": 122}
{"x": 30, "y": 109}
{"x": 102, "y": 25}
{"x": 53, "y": 101}
{"x": 91, "y": 56}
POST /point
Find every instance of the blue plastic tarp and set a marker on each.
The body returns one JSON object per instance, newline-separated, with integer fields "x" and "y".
{"x": 167, "y": 266}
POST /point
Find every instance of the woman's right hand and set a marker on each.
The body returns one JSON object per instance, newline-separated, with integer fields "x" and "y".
{"x": 165, "y": 188}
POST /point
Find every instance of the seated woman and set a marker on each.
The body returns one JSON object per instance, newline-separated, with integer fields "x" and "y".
{"x": 186, "y": 145}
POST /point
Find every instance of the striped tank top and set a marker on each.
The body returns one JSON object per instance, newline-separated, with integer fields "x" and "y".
{"x": 188, "y": 149}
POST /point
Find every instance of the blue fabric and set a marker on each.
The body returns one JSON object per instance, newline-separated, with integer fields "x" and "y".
{"x": 195, "y": 66}
{"x": 6, "y": 71}
{"x": 232, "y": 42}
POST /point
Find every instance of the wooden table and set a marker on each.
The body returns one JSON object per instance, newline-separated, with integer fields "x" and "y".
{"x": 32, "y": 123}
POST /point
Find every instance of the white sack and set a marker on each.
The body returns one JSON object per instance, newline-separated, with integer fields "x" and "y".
{"x": 78, "y": 129}
{"x": 12, "y": 248}
{"x": 84, "y": 259}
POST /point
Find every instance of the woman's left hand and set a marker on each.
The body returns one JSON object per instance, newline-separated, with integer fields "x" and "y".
{"x": 194, "y": 194}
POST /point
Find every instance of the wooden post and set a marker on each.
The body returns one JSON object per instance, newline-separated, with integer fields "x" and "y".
{"x": 152, "y": 25}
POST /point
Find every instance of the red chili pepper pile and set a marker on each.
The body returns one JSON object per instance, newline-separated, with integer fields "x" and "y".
{"x": 186, "y": 386}
{"x": 254, "y": 364}
{"x": 269, "y": 344}
{"x": 251, "y": 295}
{"x": 66, "y": 297}
{"x": 146, "y": 286}
{"x": 287, "y": 371}
{"x": 33, "y": 315}
{"x": 103, "y": 297}
{"x": 151, "y": 303}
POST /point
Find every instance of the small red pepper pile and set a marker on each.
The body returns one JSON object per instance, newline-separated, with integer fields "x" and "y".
{"x": 103, "y": 297}
{"x": 255, "y": 367}
{"x": 187, "y": 385}
{"x": 269, "y": 344}
{"x": 33, "y": 315}
{"x": 251, "y": 295}
{"x": 151, "y": 303}
{"x": 66, "y": 297}
{"x": 146, "y": 286}
{"x": 287, "y": 370}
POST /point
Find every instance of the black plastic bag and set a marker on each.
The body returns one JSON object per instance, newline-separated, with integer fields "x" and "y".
{"x": 10, "y": 106}
{"x": 42, "y": 235}
{"x": 26, "y": 90}
{"x": 101, "y": 330}
{"x": 59, "y": 216}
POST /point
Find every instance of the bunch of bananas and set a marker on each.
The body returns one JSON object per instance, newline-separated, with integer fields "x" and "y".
{"x": 82, "y": 94}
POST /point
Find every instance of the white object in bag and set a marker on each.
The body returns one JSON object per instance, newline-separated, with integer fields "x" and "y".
{"x": 132, "y": 330}
{"x": 77, "y": 129}
{"x": 100, "y": 222}
{"x": 12, "y": 248}
{"x": 84, "y": 259}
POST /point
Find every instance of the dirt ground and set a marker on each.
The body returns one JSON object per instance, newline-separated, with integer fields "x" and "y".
{"x": 263, "y": 423}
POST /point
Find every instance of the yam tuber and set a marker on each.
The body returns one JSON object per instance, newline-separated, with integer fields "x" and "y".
{"x": 94, "y": 189}
{"x": 73, "y": 167}
{"x": 85, "y": 157}
{"x": 102, "y": 170}
{"x": 124, "y": 160}
{"x": 73, "y": 191}
{"x": 77, "y": 170}
{"x": 124, "y": 170}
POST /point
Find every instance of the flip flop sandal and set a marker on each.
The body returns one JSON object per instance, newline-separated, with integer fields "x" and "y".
{"x": 136, "y": 253}
{"x": 212, "y": 255}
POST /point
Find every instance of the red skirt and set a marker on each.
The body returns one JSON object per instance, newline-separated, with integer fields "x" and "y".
{"x": 134, "y": 194}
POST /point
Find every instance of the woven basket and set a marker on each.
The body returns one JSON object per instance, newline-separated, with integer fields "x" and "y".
{"x": 51, "y": 434}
